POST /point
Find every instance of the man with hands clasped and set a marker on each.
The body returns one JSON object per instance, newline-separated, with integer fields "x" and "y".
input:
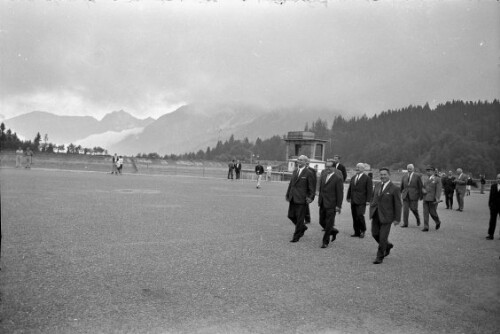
{"x": 385, "y": 210}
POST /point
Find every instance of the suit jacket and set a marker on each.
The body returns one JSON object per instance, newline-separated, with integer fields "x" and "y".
{"x": 362, "y": 191}
{"x": 494, "y": 200}
{"x": 461, "y": 182}
{"x": 411, "y": 189}
{"x": 331, "y": 192}
{"x": 448, "y": 184}
{"x": 341, "y": 168}
{"x": 433, "y": 189}
{"x": 386, "y": 205}
{"x": 237, "y": 167}
{"x": 301, "y": 187}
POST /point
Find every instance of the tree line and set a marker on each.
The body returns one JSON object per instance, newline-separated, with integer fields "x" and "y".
{"x": 454, "y": 134}
{"x": 10, "y": 141}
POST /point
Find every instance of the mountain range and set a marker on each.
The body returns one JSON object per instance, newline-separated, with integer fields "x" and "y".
{"x": 188, "y": 129}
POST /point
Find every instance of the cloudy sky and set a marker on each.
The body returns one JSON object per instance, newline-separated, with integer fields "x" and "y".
{"x": 149, "y": 57}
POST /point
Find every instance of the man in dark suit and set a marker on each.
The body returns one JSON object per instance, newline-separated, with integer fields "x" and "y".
{"x": 385, "y": 209}
{"x": 301, "y": 191}
{"x": 432, "y": 196}
{"x": 411, "y": 192}
{"x": 237, "y": 169}
{"x": 331, "y": 194}
{"x": 460, "y": 185}
{"x": 449, "y": 189}
{"x": 339, "y": 166}
{"x": 315, "y": 174}
{"x": 494, "y": 204}
{"x": 359, "y": 195}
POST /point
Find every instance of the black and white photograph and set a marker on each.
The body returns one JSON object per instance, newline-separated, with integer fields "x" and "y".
{"x": 250, "y": 166}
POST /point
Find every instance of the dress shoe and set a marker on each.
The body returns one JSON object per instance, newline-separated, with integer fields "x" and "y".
{"x": 334, "y": 235}
{"x": 459, "y": 210}
{"x": 294, "y": 240}
{"x": 438, "y": 225}
{"x": 355, "y": 236}
{"x": 324, "y": 246}
{"x": 425, "y": 230}
{"x": 388, "y": 249}
{"x": 378, "y": 261}
{"x": 362, "y": 235}
{"x": 418, "y": 223}
{"x": 490, "y": 237}
{"x": 404, "y": 225}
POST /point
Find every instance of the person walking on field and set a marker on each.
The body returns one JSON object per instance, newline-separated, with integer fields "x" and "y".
{"x": 432, "y": 196}
{"x": 494, "y": 205}
{"x": 359, "y": 195}
{"x": 411, "y": 192}
{"x": 331, "y": 194}
{"x": 259, "y": 170}
{"x": 301, "y": 191}
{"x": 460, "y": 185}
{"x": 385, "y": 210}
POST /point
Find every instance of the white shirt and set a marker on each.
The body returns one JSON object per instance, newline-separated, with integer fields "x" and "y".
{"x": 300, "y": 171}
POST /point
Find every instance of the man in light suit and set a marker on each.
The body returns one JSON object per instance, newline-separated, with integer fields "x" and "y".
{"x": 359, "y": 195}
{"x": 385, "y": 209}
{"x": 460, "y": 185}
{"x": 301, "y": 191}
{"x": 494, "y": 204}
{"x": 411, "y": 192}
{"x": 331, "y": 194}
{"x": 432, "y": 196}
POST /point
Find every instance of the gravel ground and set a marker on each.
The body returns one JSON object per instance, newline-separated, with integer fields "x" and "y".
{"x": 89, "y": 252}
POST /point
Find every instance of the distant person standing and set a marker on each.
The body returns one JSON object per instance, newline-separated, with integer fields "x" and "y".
{"x": 460, "y": 184}
{"x": 449, "y": 188}
{"x": 432, "y": 196}
{"x": 29, "y": 157}
{"x": 259, "y": 170}
{"x": 483, "y": 182}
{"x": 339, "y": 166}
{"x": 269, "y": 171}
{"x": 237, "y": 169}
{"x": 331, "y": 194}
{"x": 301, "y": 191}
{"x": 411, "y": 192}
{"x": 114, "y": 161}
{"x": 385, "y": 209}
{"x": 19, "y": 157}
{"x": 119, "y": 165}
{"x": 468, "y": 186}
{"x": 494, "y": 204}
{"x": 230, "y": 174}
{"x": 359, "y": 195}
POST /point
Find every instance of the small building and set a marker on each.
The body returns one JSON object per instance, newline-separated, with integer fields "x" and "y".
{"x": 305, "y": 143}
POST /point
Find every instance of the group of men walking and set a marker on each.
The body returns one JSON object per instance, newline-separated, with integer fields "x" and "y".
{"x": 386, "y": 201}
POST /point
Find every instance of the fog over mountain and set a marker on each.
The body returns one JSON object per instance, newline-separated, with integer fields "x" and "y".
{"x": 188, "y": 129}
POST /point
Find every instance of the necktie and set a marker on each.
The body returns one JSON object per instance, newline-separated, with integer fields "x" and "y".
{"x": 356, "y": 180}
{"x": 409, "y": 178}
{"x": 381, "y": 188}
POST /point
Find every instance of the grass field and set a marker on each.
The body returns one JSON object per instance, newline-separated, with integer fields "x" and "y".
{"x": 89, "y": 252}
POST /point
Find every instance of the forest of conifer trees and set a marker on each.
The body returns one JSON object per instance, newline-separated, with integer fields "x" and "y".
{"x": 454, "y": 134}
